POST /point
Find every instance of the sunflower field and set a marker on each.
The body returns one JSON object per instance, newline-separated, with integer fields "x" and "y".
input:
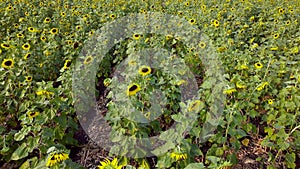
{"x": 142, "y": 84}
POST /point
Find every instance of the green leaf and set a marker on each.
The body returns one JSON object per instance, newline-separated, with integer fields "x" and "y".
{"x": 195, "y": 165}
{"x": 164, "y": 162}
{"x": 41, "y": 165}
{"x": 29, "y": 163}
{"x": 4, "y": 149}
{"x": 22, "y": 133}
{"x": 290, "y": 159}
{"x": 32, "y": 143}
{"x": 206, "y": 85}
{"x": 20, "y": 152}
{"x": 163, "y": 149}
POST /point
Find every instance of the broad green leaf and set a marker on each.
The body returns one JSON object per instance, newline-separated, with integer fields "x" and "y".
{"x": 22, "y": 133}
{"x": 163, "y": 149}
{"x": 20, "y": 152}
{"x": 195, "y": 166}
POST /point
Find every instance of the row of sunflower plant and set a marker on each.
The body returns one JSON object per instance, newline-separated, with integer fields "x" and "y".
{"x": 257, "y": 42}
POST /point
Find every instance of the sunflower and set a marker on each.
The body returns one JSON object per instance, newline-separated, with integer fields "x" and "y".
{"x": 276, "y": 35}
{"x": 27, "y": 55}
{"x": 54, "y": 31}
{"x": 9, "y": 8}
{"x": 16, "y": 25}
{"x": 91, "y": 32}
{"x": 47, "y": 20}
{"x": 288, "y": 22}
{"x": 56, "y": 158}
{"x": 26, "y": 46}
{"x": 63, "y": 14}
{"x": 110, "y": 164}
{"x": 112, "y": 16}
{"x": 20, "y": 35}
{"x": 191, "y": 50}
{"x": 281, "y": 10}
{"x": 21, "y": 19}
{"x": 88, "y": 60}
{"x": 69, "y": 42}
{"x": 178, "y": 156}
{"x": 136, "y": 36}
{"x": 229, "y": 91}
{"x": 192, "y": 21}
{"x": 21, "y": 85}
{"x": 67, "y": 64}
{"x": 5, "y": 45}
{"x": 270, "y": 101}
{"x": 28, "y": 78}
{"x": 7, "y": 63}
{"x": 144, "y": 70}
{"x": 32, "y": 29}
{"x": 133, "y": 89}
{"x": 78, "y": 27}
{"x": 43, "y": 38}
{"x": 216, "y": 23}
{"x": 258, "y": 65}
{"x": 202, "y": 45}
{"x": 168, "y": 37}
{"x": 32, "y": 114}
{"x": 61, "y": 156}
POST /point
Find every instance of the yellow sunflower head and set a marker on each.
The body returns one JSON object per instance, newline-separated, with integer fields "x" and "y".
{"x": 26, "y": 46}
{"x": 192, "y": 21}
{"x": 110, "y": 164}
{"x": 28, "y": 78}
{"x": 178, "y": 156}
{"x": 67, "y": 64}
{"x": 88, "y": 60}
{"x": 133, "y": 89}
{"x": 32, "y": 114}
{"x": 258, "y": 65}
{"x": 136, "y": 36}
{"x": 144, "y": 70}
{"x": 54, "y": 31}
{"x": 7, "y": 63}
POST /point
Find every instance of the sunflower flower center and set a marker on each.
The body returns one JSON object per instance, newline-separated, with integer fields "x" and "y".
{"x": 8, "y": 63}
{"x": 133, "y": 88}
